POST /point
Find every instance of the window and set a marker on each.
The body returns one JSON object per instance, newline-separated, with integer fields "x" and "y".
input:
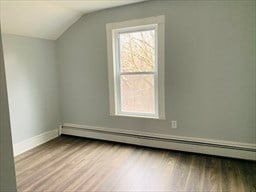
{"x": 136, "y": 67}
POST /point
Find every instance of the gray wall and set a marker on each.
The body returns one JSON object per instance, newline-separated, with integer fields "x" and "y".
{"x": 210, "y": 69}
{"x": 7, "y": 170}
{"x": 32, "y": 82}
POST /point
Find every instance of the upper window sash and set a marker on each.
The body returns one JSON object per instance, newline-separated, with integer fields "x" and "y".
{"x": 127, "y": 30}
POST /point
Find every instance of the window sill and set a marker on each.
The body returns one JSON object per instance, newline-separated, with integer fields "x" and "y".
{"x": 138, "y": 116}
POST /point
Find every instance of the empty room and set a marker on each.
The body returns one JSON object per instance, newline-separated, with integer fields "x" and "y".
{"x": 128, "y": 95}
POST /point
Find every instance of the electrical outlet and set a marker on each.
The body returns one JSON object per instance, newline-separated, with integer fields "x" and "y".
{"x": 174, "y": 124}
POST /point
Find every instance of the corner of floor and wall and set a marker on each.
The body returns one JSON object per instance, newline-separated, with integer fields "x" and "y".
{"x": 210, "y": 85}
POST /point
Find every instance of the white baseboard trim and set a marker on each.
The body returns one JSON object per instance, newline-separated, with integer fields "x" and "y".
{"x": 33, "y": 142}
{"x": 188, "y": 144}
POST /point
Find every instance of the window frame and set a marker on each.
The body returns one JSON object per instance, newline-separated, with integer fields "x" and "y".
{"x": 114, "y": 30}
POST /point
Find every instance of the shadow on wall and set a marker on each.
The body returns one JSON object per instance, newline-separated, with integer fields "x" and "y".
{"x": 7, "y": 173}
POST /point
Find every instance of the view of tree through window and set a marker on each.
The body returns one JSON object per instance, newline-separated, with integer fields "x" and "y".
{"x": 137, "y": 71}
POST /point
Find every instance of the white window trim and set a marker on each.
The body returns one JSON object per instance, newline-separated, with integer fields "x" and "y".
{"x": 111, "y": 28}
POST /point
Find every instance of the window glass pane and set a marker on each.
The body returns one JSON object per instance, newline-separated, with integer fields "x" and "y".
{"x": 137, "y": 93}
{"x": 137, "y": 51}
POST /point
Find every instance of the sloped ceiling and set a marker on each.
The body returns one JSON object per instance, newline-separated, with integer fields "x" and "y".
{"x": 48, "y": 19}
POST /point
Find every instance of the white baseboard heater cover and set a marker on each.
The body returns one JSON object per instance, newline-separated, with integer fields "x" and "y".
{"x": 187, "y": 144}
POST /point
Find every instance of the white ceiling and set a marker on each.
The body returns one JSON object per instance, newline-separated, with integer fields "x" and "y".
{"x": 48, "y": 19}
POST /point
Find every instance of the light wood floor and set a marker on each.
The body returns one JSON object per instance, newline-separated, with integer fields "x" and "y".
{"x": 78, "y": 164}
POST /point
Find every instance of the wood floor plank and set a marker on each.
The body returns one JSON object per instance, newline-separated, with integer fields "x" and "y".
{"x": 196, "y": 174}
{"x": 78, "y": 164}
